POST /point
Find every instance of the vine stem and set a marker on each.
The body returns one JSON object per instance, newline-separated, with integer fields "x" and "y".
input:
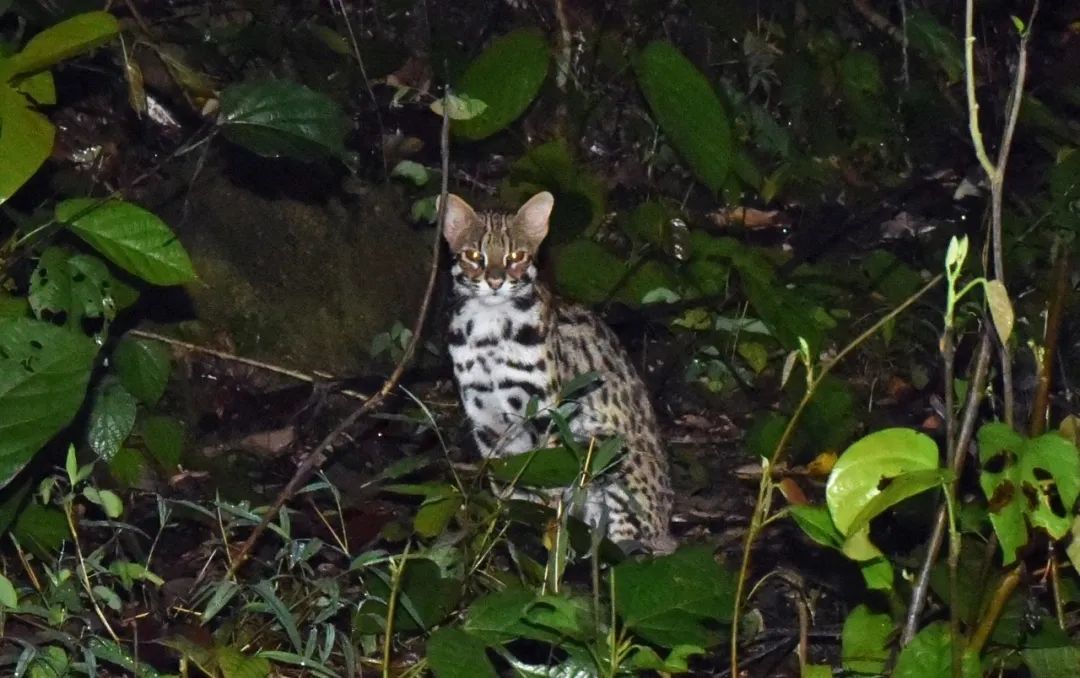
{"x": 314, "y": 460}
{"x": 759, "y": 516}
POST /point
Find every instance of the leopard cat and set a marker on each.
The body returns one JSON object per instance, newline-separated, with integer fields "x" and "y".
{"x": 511, "y": 341}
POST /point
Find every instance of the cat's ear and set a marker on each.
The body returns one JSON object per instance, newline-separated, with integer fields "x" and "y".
{"x": 533, "y": 217}
{"x": 459, "y": 218}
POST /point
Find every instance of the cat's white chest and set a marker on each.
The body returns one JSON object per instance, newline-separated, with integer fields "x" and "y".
{"x": 499, "y": 361}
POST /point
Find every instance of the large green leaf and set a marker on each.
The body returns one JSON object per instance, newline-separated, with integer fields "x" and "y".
{"x": 453, "y": 653}
{"x": 864, "y": 641}
{"x": 80, "y": 33}
{"x": 44, "y": 371}
{"x": 930, "y": 656}
{"x": 552, "y": 467}
{"x": 501, "y": 617}
{"x": 1023, "y": 480}
{"x": 26, "y": 140}
{"x": 280, "y": 118}
{"x": 859, "y": 485}
{"x": 696, "y": 589}
{"x": 688, "y": 111}
{"x": 131, "y": 237}
{"x": 506, "y": 77}
{"x": 587, "y": 271}
{"x": 425, "y": 597}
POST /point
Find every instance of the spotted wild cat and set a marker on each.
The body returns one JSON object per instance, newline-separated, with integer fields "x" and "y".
{"x": 511, "y": 340}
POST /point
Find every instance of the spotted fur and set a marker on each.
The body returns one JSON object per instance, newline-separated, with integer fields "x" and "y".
{"x": 511, "y": 341}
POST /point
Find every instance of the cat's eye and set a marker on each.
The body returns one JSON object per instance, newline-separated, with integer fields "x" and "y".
{"x": 475, "y": 256}
{"x": 517, "y": 257}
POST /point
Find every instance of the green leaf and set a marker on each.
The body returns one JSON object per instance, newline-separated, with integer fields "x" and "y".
{"x": 460, "y": 107}
{"x": 79, "y": 34}
{"x": 164, "y": 440}
{"x": 132, "y": 238}
{"x": 276, "y": 118}
{"x": 896, "y": 490}
{"x": 108, "y": 500}
{"x": 112, "y": 416}
{"x": 44, "y": 371}
{"x": 435, "y": 513}
{"x": 235, "y": 664}
{"x": 71, "y": 288}
{"x": 8, "y": 597}
{"x": 877, "y": 573}
{"x": 547, "y": 468}
{"x": 143, "y": 368}
{"x": 688, "y": 110}
{"x": 506, "y": 77}
{"x": 1001, "y": 310}
{"x": 13, "y": 307}
{"x": 26, "y": 140}
{"x": 645, "y": 658}
{"x": 857, "y": 477}
{"x": 411, "y": 170}
{"x": 567, "y": 617}
{"x": 453, "y": 653}
{"x": 936, "y": 43}
{"x": 864, "y": 641}
{"x": 580, "y": 195}
{"x": 817, "y": 524}
{"x": 587, "y": 272}
{"x": 280, "y": 611}
{"x": 42, "y": 529}
{"x": 1052, "y": 662}
{"x": 109, "y": 651}
{"x": 930, "y": 656}
{"x": 696, "y": 590}
{"x": 501, "y": 616}
{"x": 425, "y": 598}
{"x": 1023, "y": 480}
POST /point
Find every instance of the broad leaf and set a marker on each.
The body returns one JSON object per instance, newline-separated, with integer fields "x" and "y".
{"x": 453, "y": 653}
{"x": 688, "y": 111}
{"x": 425, "y": 598}
{"x": 26, "y": 140}
{"x": 131, "y": 237}
{"x": 70, "y": 288}
{"x": 44, "y": 371}
{"x": 280, "y": 118}
{"x": 930, "y": 656}
{"x": 858, "y": 487}
{"x": 1024, "y": 480}
{"x": 696, "y": 590}
{"x": 164, "y": 439}
{"x": 79, "y": 34}
{"x": 506, "y": 77}
{"x": 235, "y": 664}
{"x": 112, "y": 416}
{"x": 143, "y": 368}
{"x": 552, "y": 467}
{"x": 864, "y": 641}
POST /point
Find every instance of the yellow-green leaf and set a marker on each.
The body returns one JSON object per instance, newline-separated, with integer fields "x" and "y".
{"x": 66, "y": 39}
{"x": 26, "y": 140}
{"x": 1001, "y": 310}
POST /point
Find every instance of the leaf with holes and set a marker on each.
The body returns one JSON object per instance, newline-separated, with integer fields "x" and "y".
{"x": 864, "y": 471}
{"x": 69, "y": 288}
{"x": 1027, "y": 481}
{"x": 131, "y": 237}
{"x": 44, "y": 371}
{"x": 276, "y": 118}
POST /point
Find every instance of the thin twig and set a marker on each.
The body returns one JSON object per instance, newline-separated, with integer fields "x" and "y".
{"x": 1054, "y": 314}
{"x": 979, "y": 374}
{"x": 312, "y": 378}
{"x": 318, "y": 456}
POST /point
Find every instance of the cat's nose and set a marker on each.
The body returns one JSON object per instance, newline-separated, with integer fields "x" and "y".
{"x": 495, "y": 283}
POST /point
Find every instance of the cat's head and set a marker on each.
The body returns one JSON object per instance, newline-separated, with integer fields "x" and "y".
{"x": 495, "y": 253}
